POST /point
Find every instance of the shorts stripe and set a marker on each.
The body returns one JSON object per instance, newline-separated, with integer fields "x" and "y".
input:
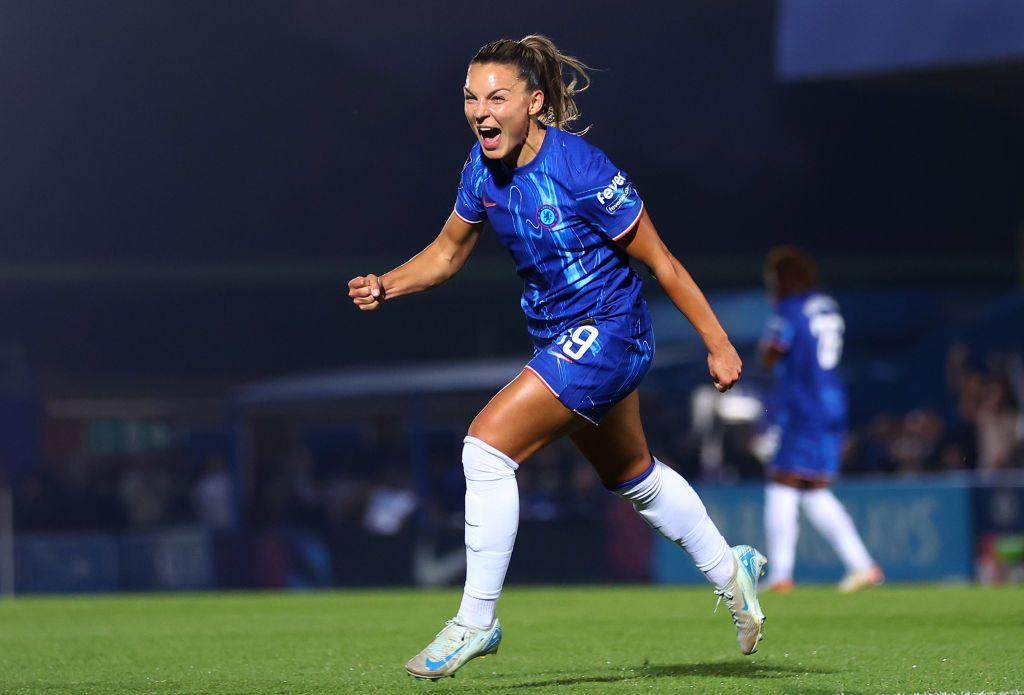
{"x": 592, "y": 422}
{"x": 542, "y": 380}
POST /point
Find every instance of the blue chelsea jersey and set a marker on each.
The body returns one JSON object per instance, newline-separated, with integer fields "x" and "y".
{"x": 559, "y": 216}
{"x": 808, "y": 394}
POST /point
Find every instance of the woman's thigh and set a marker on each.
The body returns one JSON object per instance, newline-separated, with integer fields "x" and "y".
{"x": 523, "y": 418}
{"x": 617, "y": 448}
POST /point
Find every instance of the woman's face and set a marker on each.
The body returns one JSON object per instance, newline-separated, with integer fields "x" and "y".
{"x": 499, "y": 107}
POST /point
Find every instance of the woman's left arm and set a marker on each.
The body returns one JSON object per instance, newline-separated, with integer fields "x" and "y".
{"x": 644, "y": 244}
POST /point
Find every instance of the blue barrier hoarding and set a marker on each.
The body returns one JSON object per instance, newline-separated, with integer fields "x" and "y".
{"x": 66, "y": 563}
{"x": 915, "y": 531}
{"x": 169, "y": 559}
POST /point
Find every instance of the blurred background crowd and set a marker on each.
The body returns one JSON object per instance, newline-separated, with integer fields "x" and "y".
{"x": 160, "y": 476}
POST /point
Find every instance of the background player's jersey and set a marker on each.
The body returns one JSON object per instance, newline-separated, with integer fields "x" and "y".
{"x": 559, "y": 216}
{"x": 808, "y": 393}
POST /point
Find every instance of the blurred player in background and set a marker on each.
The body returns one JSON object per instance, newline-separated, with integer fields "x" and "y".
{"x": 803, "y": 344}
{"x": 571, "y": 221}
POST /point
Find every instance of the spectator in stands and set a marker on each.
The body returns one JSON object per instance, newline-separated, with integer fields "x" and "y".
{"x": 915, "y": 445}
{"x": 213, "y": 496}
{"x": 146, "y": 492}
{"x": 999, "y": 426}
{"x": 988, "y": 406}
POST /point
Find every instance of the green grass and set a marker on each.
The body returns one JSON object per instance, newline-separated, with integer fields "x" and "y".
{"x": 603, "y": 639}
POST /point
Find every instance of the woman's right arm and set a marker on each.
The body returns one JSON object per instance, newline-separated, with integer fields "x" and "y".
{"x": 432, "y": 266}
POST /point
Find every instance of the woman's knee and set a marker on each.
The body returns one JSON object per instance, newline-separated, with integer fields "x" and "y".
{"x": 521, "y": 418}
{"x": 484, "y": 427}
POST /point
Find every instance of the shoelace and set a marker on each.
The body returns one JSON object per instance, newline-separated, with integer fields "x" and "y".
{"x": 453, "y": 640}
{"x": 728, "y": 596}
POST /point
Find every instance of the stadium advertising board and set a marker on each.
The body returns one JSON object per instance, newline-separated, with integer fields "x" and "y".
{"x": 916, "y": 532}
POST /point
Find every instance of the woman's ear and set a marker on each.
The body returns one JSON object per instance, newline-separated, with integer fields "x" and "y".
{"x": 536, "y": 102}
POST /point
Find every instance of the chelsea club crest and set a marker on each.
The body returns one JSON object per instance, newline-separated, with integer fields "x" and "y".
{"x": 547, "y": 216}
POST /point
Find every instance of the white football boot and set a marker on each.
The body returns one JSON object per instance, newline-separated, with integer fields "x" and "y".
{"x": 741, "y": 597}
{"x": 863, "y": 579}
{"x": 453, "y": 646}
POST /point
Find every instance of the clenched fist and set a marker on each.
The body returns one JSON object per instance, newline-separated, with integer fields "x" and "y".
{"x": 725, "y": 367}
{"x": 366, "y": 291}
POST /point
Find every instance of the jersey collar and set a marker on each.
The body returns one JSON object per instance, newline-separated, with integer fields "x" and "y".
{"x": 545, "y": 147}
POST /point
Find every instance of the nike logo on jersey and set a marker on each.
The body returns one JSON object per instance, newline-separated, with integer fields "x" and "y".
{"x": 489, "y": 203}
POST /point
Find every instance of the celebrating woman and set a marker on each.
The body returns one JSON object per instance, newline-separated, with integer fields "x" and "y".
{"x": 571, "y": 221}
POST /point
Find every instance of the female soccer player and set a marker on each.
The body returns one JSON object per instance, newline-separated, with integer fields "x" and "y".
{"x": 803, "y": 344}
{"x": 571, "y": 221}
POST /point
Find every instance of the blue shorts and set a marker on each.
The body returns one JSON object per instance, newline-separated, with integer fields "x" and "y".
{"x": 808, "y": 452}
{"x": 596, "y": 363}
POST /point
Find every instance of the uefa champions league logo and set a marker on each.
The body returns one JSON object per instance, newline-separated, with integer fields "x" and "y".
{"x": 547, "y": 216}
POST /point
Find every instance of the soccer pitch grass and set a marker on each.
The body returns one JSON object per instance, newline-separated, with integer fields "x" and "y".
{"x": 600, "y": 639}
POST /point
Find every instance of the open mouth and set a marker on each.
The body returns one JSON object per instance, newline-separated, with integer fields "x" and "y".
{"x": 490, "y": 137}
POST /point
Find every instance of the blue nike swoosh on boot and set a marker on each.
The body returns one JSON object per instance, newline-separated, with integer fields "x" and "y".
{"x": 748, "y": 560}
{"x": 434, "y": 665}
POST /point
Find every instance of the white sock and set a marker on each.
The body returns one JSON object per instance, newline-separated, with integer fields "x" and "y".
{"x": 492, "y": 519}
{"x": 782, "y": 528}
{"x": 670, "y": 506}
{"x": 834, "y": 523}
{"x": 477, "y": 612}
